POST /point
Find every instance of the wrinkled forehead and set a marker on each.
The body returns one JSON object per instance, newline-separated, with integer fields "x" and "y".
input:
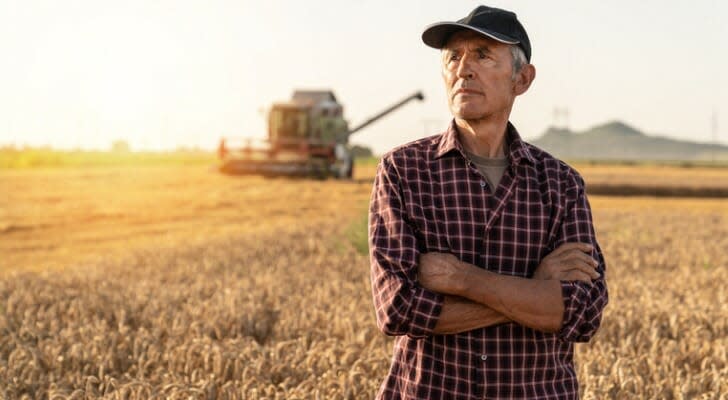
{"x": 469, "y": 39}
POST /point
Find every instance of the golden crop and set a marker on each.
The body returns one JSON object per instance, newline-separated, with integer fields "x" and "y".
{"x": 277, "y": 304}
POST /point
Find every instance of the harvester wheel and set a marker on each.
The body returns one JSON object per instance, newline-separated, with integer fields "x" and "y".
{"x": 350, "y": 169}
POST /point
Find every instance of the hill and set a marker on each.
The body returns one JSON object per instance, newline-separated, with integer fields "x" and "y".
{"x": 619, "y": 141}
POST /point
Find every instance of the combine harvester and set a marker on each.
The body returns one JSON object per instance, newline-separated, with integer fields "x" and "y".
{"x": 307, "y": 136}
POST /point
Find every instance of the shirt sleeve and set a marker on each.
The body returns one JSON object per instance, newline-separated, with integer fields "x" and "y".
{"x": 402, "y": 306}
{"x": 583, "y": 302}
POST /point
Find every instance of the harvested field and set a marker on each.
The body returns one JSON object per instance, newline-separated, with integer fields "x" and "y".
{"x": 176, "y": 282}
{"x": 656, "y": 180}
{"x": 54, "y": 218}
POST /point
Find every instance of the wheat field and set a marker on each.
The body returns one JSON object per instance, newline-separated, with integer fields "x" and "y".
{"x": 176, "y": 283}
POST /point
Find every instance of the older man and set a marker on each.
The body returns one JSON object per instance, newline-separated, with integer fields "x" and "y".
{"x": 484, "y": 261}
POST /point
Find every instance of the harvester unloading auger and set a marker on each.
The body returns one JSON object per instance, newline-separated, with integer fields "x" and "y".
{"x": 307, "y": 136}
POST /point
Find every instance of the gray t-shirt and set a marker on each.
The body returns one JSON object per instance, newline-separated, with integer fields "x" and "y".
{"x": 491, "y": 168}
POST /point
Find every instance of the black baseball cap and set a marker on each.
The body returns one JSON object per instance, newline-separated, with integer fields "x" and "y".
{"x": 495, "y": 23}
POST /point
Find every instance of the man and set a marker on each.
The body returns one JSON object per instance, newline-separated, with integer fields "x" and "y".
{"x": 484, "y": 260}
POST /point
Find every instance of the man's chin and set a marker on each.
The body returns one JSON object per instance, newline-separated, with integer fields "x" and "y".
{"x": 470, "y": 115}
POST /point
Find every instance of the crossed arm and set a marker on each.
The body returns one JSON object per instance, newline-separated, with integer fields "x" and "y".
{"x": 476, "y": 298}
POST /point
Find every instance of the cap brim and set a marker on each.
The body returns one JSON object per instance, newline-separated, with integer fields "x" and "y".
{"x": 436, "y": 35}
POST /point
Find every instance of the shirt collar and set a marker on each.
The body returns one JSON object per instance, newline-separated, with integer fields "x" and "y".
{"x": 517, "y": 150}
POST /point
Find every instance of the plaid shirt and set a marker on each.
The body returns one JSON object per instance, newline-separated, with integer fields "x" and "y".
{"x": 428, "y": 197}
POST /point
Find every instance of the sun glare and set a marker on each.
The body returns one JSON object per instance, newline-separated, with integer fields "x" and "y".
{"x": 108, "y": 73}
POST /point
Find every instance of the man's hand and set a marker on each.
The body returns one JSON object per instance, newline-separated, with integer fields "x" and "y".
{"x": 569, "y": 262}
{"x": 442, "y": 273}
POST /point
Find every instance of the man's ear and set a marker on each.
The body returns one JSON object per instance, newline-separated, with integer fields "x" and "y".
{"x": 524, "y": 78}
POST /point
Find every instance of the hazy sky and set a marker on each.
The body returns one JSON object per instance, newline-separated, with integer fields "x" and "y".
{"x": 162, "y": 74}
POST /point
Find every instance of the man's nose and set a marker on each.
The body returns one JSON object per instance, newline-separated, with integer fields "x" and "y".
{"x": 465, "y": 69}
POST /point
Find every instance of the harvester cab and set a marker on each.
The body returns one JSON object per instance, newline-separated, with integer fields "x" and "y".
{"x": 307, "y": 136}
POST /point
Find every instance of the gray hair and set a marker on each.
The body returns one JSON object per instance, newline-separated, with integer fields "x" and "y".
{"x": 518, "y": 59}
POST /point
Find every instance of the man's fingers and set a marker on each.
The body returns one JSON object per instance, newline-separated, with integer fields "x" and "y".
{"x": 569, "y": 258}
{"x": 575, "y": 259}
{"x": 585, "y": 258}
{"x": 583, "y": 263}
{"x": 584, "y": 247}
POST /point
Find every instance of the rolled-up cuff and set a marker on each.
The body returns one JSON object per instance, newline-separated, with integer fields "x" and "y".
{"x": 571, "y": 293}
{"x": 425, "y": 311}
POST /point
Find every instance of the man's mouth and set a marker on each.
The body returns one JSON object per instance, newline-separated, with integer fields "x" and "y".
{"x": 467, "y": 92}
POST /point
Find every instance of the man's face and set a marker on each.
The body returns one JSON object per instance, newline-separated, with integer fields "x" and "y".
{"x": 478, "y": 76}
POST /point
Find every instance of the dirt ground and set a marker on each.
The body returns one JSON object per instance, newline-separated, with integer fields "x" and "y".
{"x": 55, "y": 218}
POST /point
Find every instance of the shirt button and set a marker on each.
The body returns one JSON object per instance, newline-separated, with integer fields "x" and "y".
{"x": 484, "y": 357}
{"x": 482, "y": 184}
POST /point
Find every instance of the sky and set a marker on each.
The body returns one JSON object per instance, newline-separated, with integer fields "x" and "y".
{"x": 161, "y": 74}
